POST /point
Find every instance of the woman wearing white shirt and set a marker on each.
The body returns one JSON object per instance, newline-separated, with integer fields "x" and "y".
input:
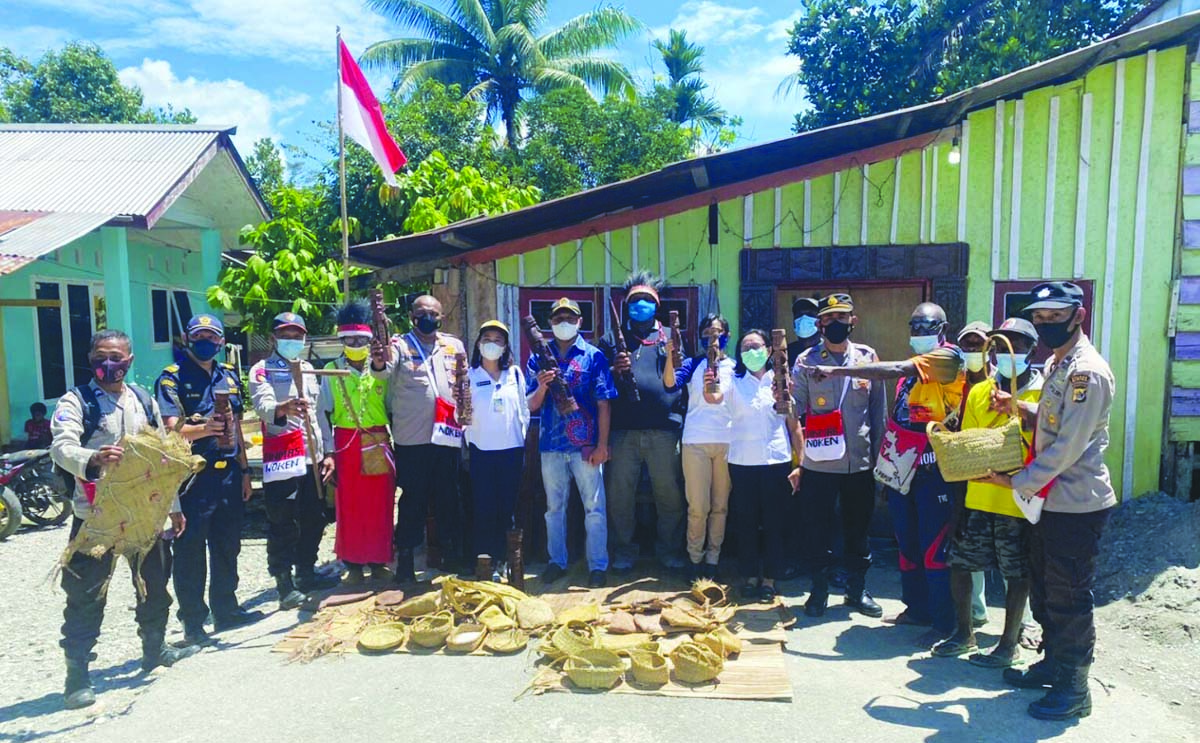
{"x": 496, "y": 436}
{"x": 705, "y": 450}
{"x": 760, "y": 466}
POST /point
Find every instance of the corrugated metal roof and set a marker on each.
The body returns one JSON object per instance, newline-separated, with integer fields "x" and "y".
{"x": 96, "y": 168}
{"x": 44, "y": 234}
{"x": 703, "y": 174}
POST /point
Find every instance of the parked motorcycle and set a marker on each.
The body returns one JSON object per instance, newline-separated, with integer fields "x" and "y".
{"x": 40, "y": 491}
{"x": 10, "y": 512}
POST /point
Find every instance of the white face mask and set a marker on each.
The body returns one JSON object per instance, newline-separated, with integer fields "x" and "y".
{"x": 974, "y": 361}
{"x": 491, "y": 351}
{"x": 565, "y": 331}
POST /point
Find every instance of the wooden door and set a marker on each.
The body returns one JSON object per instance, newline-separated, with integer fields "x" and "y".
{"x": 883, "y": 312}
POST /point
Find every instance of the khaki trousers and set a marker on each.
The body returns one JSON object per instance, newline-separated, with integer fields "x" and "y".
{"x": 706, "y": 485}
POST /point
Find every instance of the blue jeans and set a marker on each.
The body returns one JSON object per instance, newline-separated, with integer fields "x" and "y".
{"x": 557, "y": 470}
{"x": 922, "y": 523}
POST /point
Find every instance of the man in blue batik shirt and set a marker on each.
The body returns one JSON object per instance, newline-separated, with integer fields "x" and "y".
{"x": 575, "y": 445}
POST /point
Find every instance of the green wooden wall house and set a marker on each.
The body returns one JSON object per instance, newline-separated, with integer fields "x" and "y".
{"x": 119, "y": 226}
{"x": 1083, "y": 168}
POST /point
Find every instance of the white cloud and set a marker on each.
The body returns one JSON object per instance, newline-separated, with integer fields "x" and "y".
{"x": 781, "y": 30}
{"x": 745, "y": 85}
{"x": 255, "y": 113}
{"x": 34, "y": 41}
{"x": 709, "y": 22}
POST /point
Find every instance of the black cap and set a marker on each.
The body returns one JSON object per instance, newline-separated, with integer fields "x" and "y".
{"x": 804, "y": 306}
{"x": 1055, "y": 295}
{"x": 835, "y": 303}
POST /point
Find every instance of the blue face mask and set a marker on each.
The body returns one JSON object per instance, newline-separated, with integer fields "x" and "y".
{"x": 722, "y": 342}
{"x": 205, "y": 349}
{"x": 642, "y": 310}
{"x": 806, "y": 327}
{"x": 922, "y": 344}
{"x": 1011, "y": 366}
{"x": 289, "y": 349}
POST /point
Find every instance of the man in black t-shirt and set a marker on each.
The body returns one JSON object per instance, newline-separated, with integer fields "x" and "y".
{"x": 645, "y": 430}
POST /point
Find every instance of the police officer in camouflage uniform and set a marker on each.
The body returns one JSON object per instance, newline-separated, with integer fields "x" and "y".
{"x": 214, "y": 503}
{"x": 88, "y": 425}
{"x": 1069, "y": 475}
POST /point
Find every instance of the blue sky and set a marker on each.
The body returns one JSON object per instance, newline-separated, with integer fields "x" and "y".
{"x": 268, "y": 66}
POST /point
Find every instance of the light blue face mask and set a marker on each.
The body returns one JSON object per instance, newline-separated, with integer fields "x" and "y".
{"x": 806, "y": 327}
{"x": 642, "y": 310}
{"x": 289, "y": 349}
{"x": 922, "y": 344}
{"x": 1011, "y": 366}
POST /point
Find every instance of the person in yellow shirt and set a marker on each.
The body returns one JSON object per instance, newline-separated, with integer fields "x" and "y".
{"x": 992, "y": 532}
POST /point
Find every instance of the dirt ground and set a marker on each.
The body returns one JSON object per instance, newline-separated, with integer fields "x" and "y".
{"x": 853, "y": 677}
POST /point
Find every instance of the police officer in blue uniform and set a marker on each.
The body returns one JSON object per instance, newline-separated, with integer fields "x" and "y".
{"x": 214, "y": 504}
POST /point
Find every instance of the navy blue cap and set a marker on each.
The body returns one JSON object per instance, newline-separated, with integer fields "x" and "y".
{"x": 288, "y": 320}
{"x": 205, "y": 322}
{"x": 1055, "y": 295}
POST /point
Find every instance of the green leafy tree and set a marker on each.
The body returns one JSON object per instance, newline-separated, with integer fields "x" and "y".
{"x": 575, "y": 142}
{"x": 493, "y": 51}
{"x": 434, "y": 195}
{"x": 685, "y": 86}
{"x": 863, "y": 57}
{"x": 78, "y": 84}
{"x": 290, "y": 268}
{"x": 265, "y": 165}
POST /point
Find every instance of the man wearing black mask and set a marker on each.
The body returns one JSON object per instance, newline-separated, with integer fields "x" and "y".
{"x": 419, "y": 367}
{"x": 844, "y": 420}
{"x": 214, "y": 503}
{"x": 1066, "y": 493}
{"x": 645, "y": 430}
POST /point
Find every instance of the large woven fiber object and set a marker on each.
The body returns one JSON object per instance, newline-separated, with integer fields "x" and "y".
{"x": 382, "y": 637}
{"x": 506, "y": 641}
{"x": 134, "y": 497}
{"x": 431, "y": 631}
{"x": 574, "y": 637}
{"x": 709, "y": 593}
{"x": 695, "y": 663}
{"x": 649, "y": 667}
{"x": 466, "y": 638}
{"x": 721, "y": 640}
{"x": 595, "y": 669}
{"x": 971, "y": 454}
{"x": 496, "y": 620}
{"x": 534, "y": 613}
{"x": 418, "y": 606}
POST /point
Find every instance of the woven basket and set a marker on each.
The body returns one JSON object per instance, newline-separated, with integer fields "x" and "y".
{"x": 621, "y": 643}
{"x": 649, "y": 667}
{"x": 533, "y": 613}
{"x": 506, "y": 641}
{"x": 973, "y": 453}
{"x": 418, "y": 606}
{"x": 575, "y": 637}
{"x": 695, "y": 663}
{"x": 722, "y": 641}
{"x": 496, "y": 620}
{"x": 431, "y": 630}
{"x": 466, "y": 638}
{"x": 709, "y": 593}
{"x": 382, "y": 637}
{"x": 595, "y": 669}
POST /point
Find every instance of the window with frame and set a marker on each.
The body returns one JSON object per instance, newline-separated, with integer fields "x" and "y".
{"x": 170, "y": 309}
{"x": 64, "y": 333}
{"x": 1011, "y": 298}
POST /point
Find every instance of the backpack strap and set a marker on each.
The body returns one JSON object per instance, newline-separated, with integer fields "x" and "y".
{"x": 91, "y": 411}
{"x": 147, "y": 404}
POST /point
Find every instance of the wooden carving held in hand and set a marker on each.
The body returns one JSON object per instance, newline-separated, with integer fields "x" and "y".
{"x": 563, "y": 401}
{"x": 676, "y": 340}
{"x": 462, "y": 390}
{"x": 714, "y": 358}
{"x": 310, "y": 434}
{"x": 381, "y": 327}
{"x": 223, "y": 410}
{"x": 626, "y": 382}
{"x": 779, "y": 363}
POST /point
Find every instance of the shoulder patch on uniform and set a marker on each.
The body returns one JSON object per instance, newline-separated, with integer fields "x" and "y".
{"x": 1080, "y": 379}
{"x": 1079, "y": 387}
{"x": 167, "y": 382}
{"x": 173, "y": 368}
{"x": 227, "y": 365}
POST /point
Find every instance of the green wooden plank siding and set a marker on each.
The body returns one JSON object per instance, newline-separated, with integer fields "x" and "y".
{"x": 690, "y": 259}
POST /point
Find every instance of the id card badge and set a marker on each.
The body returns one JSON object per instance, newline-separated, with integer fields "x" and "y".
{"x": 497, "y": 403}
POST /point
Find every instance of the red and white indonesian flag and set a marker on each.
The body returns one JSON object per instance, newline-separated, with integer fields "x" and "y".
{"x": 362, "y": 118}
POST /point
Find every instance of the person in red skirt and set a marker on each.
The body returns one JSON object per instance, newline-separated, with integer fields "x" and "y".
{"x": 354, "y": 423}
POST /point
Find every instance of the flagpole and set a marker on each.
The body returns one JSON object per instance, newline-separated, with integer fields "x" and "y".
{"x": 342, "y": 175}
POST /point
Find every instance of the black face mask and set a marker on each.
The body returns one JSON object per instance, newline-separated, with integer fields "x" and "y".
{"x": 1056, "y": 334}
{"x": 428, "y": 324}
{"x": 837, "y": 331}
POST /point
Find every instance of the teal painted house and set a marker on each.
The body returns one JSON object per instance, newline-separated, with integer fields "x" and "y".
{"x": 1085, "y": 167}
{"x": 108, "y": 226}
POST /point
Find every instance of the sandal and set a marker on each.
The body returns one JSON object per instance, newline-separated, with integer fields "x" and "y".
{"x": 995, "y": 659}
{"x": 952, "y": 648}
{"x": 767, "y": 594}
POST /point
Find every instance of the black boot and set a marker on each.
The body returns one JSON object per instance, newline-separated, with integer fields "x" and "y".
{"x": 156, "y": 652}
{"x": 404, "y": 568}
{"x": 289, "y": 597}
{"x": 818, "y": 597}
{"x": 78, "y": 693}
{"x": 1068, "y": 697}
{"x": 239, "y": 617}
{"x": 1037, "y": 676}
{"x": 308, "y": 581}
{"x": 857, "y": 597}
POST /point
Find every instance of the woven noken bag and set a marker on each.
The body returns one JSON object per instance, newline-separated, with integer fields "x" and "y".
{"x": 973, "y": 453}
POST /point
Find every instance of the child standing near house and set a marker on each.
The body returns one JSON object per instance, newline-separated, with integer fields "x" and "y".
{"x": 37, "y": 428}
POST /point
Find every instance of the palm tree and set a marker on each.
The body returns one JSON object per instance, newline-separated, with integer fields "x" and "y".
{"x": 492, "y": 50}
{"x": 682, "y": 59}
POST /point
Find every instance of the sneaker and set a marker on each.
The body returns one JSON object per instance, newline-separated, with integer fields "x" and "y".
{"x": 552, "y": 573}
{"x": 597, "y": 579}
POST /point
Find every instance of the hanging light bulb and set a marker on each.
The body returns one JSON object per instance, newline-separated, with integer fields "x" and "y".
{"x": 955, "y": 156}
